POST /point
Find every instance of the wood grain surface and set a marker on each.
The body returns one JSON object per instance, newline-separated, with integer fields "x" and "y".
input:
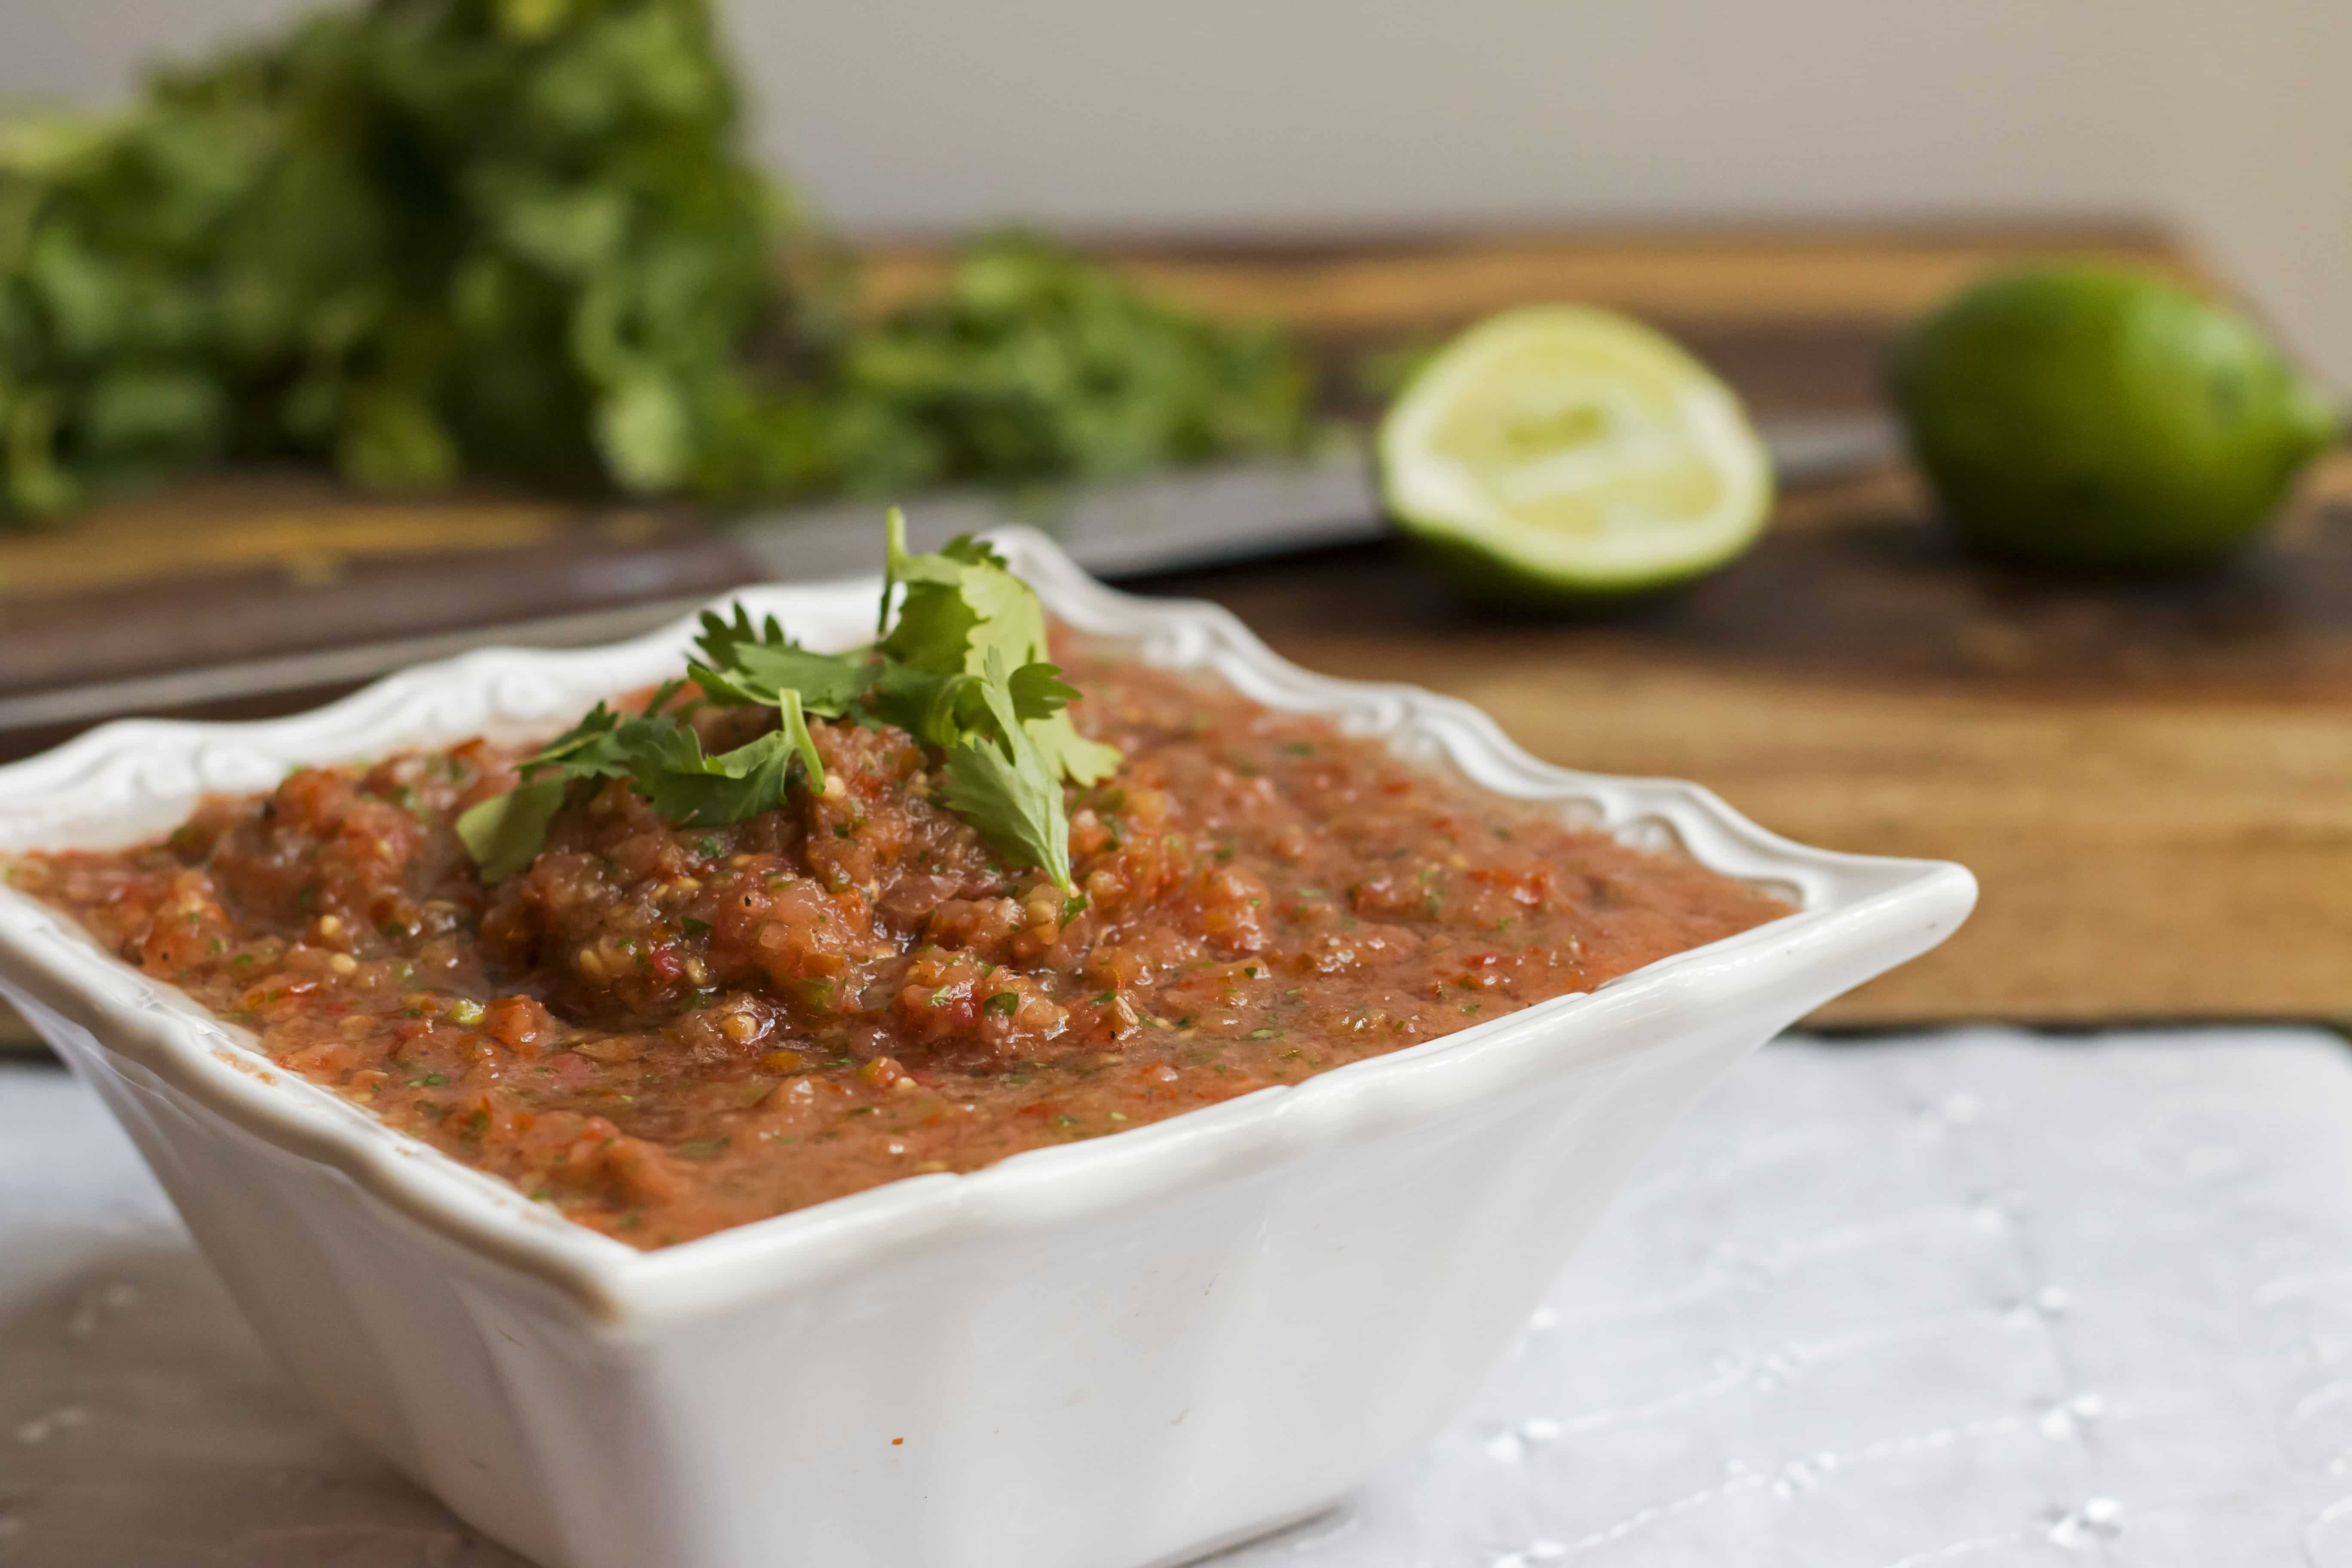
{"x": 2152, "y": 779}
{"x": 1343, "y": 285}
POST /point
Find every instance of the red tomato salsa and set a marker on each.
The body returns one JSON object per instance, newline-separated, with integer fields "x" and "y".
{"x": 663, "y": 1031}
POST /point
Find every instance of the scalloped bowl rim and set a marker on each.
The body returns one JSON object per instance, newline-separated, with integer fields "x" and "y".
{"x": 129, "y": 779}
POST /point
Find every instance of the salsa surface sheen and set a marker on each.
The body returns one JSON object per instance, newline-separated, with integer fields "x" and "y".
{"x": 665, "y": 1031}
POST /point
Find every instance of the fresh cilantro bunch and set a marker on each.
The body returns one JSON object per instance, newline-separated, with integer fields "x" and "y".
{"x": 959, "y": 663}
{"x": 421, "y": 240}
{"x": 1039, "y": 364}
{"x": 418, "y": 239}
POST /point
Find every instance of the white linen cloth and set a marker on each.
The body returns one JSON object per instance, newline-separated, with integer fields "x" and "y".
{"x": 1975, "y": 1299}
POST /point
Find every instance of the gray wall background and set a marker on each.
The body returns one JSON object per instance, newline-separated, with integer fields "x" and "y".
{"x": 2231, "y": 121}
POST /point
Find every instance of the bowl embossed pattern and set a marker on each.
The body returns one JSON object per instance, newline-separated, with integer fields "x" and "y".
{"x": 1114, "y": 1354}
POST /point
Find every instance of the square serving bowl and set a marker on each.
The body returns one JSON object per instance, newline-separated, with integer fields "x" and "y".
{"x": 1129, "y": 1350}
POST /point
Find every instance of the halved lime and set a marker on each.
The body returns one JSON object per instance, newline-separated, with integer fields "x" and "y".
{"x": 1558, "y": 452}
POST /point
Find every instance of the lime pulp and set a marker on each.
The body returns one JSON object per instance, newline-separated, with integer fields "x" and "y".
{"x": 1558, "y": 452}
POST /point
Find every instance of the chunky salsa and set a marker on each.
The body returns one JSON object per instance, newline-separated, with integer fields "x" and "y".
{"x": 666, "y": 1030}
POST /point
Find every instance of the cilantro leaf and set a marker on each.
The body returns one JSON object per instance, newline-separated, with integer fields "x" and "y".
{"x": 1001, "y": 784}
{"x": 826, "y": 683}
{"x": 721, "y": 638}
{"x": 1071, "y": 754}
{"x": 504, "y": 833}
{"x": 961, "y": 606}
{"x": 690, "y": 790}
{"x": 935, "y": 620}
{"x": 1039, "y": 691}
{"x": 928, "y": 707}
{"x": 589, "y": 749}
{"x": 1002, "y": 799}
{"x": 740, "y": 667}
{"x": 940, "y": 708}
{"x": 958, "y": 602}
{"x": 971, "y": 550}
{"x": 663, "y": 760}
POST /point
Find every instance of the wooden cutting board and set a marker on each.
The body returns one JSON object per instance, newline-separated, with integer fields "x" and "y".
{"x": 2152, "y": 781}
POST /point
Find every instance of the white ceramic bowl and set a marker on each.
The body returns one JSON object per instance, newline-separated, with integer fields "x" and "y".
{"x": 1123, "y": 1351}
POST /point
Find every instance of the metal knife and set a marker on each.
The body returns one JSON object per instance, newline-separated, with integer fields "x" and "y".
{"x": 1163, "y": 523}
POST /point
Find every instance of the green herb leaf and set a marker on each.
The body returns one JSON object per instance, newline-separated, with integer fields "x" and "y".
{"x": 931, "y": 708}
{"x": 720, "y": 637}
{"x": 663, "y": 760}
{"x": 590, "y": 748}
{"x": 1001, "y": 784}
{"x": 1071, "y": 754}
{"x": 689, "y": 788}
{"x": 1039, "y": 691}
{"x": 503, "y": 834}
{"x": 935, "y": 619}
{"x": 961, "y": 606}
{"x": 1037, "y": 364}
{"x": 740, "y": 667}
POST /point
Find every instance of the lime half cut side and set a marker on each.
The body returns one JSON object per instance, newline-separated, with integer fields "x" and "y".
{"x": 1559, "y": 452}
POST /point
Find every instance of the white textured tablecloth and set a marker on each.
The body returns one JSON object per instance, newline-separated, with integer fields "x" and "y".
{"x": 1977, "y": 1298}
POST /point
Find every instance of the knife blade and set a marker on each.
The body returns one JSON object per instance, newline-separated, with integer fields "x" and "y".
{"x": 1162, "y": 523}
{"x": 1185, "y": 518}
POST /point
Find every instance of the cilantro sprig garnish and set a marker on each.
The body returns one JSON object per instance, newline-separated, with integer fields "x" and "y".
{"x": 958, "y": 662}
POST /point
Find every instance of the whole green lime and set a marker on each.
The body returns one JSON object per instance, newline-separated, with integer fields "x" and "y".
{"x": 2098, "y": 418}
